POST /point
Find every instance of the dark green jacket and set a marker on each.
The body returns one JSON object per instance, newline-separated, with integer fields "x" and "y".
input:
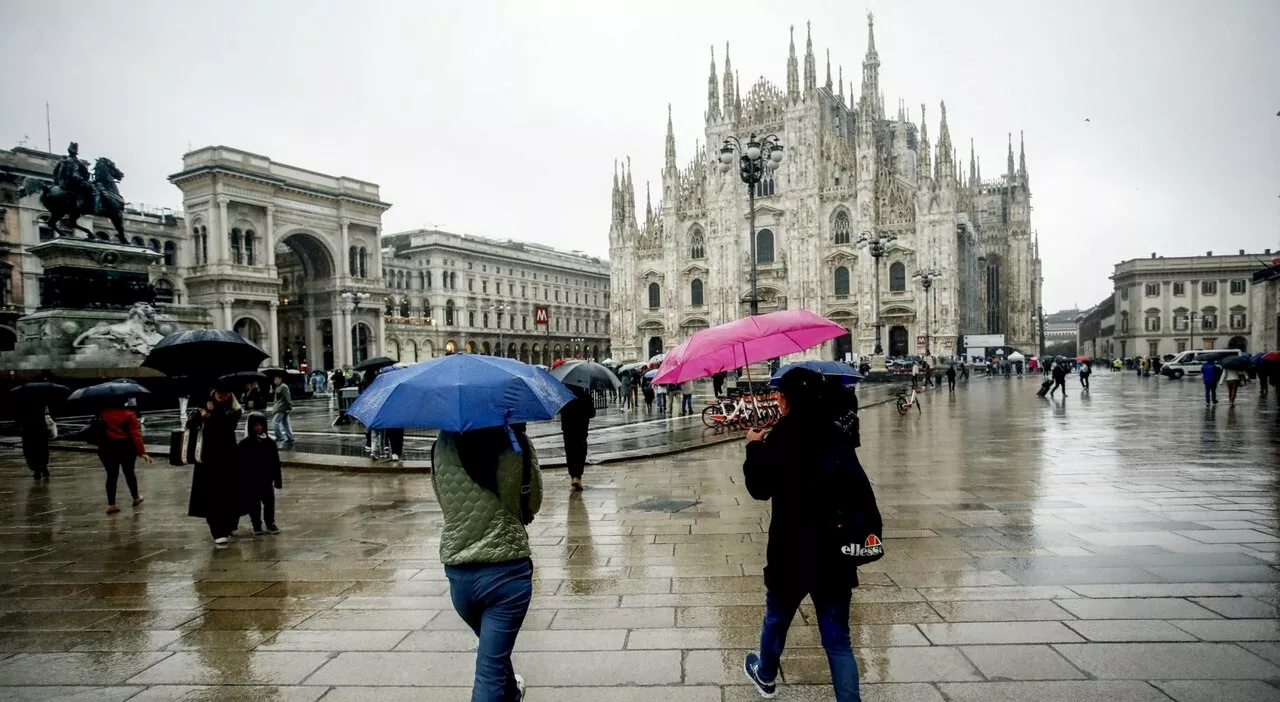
{"x": 479, "y": 526}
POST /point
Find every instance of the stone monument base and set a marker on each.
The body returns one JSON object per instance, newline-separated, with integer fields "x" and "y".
{"x": 97, "y": 343}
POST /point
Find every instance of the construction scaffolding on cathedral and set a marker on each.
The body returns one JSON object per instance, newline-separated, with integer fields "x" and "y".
{"x": 852, "y": 172}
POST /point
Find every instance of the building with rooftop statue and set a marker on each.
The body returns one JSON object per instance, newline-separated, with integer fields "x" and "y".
{"x": 850, "y": 169}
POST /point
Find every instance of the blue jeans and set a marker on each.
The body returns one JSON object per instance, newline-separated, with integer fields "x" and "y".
{"x": 1210, "y": 392}
{"x": 284, "y": 432}
{"x": 662, "y": 402}
{"x": 492, "y": 598}
{"x": 833, "y": 625}
{"x": 686, "y": 404}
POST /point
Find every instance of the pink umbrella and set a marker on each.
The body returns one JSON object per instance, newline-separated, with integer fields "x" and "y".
{"x": 746, "y": 341}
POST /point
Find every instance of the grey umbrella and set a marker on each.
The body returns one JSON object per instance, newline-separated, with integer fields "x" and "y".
{"x": 588, "y": 375}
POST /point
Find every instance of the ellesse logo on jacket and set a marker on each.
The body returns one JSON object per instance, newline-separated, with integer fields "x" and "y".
{"x": 871, "y": 547}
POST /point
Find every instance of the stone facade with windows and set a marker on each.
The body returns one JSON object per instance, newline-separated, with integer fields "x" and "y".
{"x": 452, "y": 293}
{"x": 849, "y": 170}
{"x": 1164, "y": 306}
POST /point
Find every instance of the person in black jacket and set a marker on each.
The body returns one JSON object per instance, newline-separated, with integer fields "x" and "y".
{"x": 260, "y": 462}
{"x": 575, "y": 420}
{"x": 1059, "y": 379}
{"x": 805, "y": 466}
{"x": 216, "y": 479}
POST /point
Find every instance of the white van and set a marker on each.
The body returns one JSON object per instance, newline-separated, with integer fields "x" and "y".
{"x": 1189, "y": 362}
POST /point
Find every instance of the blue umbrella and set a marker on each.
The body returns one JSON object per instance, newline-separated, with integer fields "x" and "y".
{"x": 460, "y": 393}
{"x": 848, "y": 374}
{"x": 649, "y": 374}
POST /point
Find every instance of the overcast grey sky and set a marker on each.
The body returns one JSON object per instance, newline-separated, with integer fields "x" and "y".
{"x": 504, "y": 118}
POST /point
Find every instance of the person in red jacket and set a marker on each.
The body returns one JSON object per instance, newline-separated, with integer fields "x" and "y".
{"x": 121, "y": 447}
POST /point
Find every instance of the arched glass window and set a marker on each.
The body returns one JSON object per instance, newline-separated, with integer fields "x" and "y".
{"x": 695, "y": 293}
{"x": 697, "y": 244}
{"x": 765, "y": 187}
{"x": 154, "y": 245}
{"x": 364, "y": 262}
{"x": 841, "y": 231}
{"x": 236, "y": 244}
{"x": 764, "y": 246}
{"x": 448, "y": 312}
{"x": 137, "y": 241}
{"x": 170, "y": 254}
{"x": 842, "y": 281}
{"x": 353, "y": 264}
{"x": 249, "y": 247}
{"x": 655, "y": 296}
{"x": 404, "y": 308}
{"x": 897, "y": 277}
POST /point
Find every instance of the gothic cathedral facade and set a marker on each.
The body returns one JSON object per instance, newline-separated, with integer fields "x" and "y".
{"x": 850, "y": 173}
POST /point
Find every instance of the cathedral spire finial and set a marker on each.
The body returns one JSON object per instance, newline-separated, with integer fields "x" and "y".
{"x": 810, "y": 64}
{"x": 713, "y": 90}
{"x": 973, "y": 172}
{"x": 648, "y": 204}
{"x": 871, "y": 33}
{"x": 871, "y": 102}
{"x": 946, "y": 153}
{"x": 737, "y": 95}
{"x": 1022, "y": 157}
{"x": 828, "y": 70}
{"x": 728, "y": 83}
{"x": 1010, "y": 166}
{"x": 671, "y": 142}
{"x": 840, "y": 81}
{"x": 793, "y": 71}
{"x": 923, "y": 165}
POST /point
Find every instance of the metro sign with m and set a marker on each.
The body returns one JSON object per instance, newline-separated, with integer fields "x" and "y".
{"x": 541, "y": 315}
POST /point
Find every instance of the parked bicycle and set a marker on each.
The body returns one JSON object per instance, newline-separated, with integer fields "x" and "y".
{"x": 908, "y": 400}
{"x": 742, "y": 411}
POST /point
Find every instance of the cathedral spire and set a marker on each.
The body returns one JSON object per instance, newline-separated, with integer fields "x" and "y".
{"x": 946, "y": 156}
{"x": 841, "y": 83}
{"x": 1022, "y": 159}
{"x": 973, "y": 169}
{"x": 671, "y": 142}
{"x": 793, "y": 71}
{"x": 979, "y": 170}
{"x": 648, "y": 205}
{"x": 828, "y": 70}
{"x": 900, "y": 143}
{"x": 923, "y": 166}
{"x": 616, "y": 198}
{"x": 728, "y": 83}
{"x": 871, "y": 75}
{"x": 737, "y": 95}
{"x": 713, "y": 90}
{"x": 1010, "y": 167}
{"x": 629, "y": 195}
{"x": 810, "y": 67}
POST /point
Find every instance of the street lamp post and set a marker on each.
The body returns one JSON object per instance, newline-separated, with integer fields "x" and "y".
{"x": 580, "y": 340}
{"x": 754, "y": 160}
{"x": 877, "y": 244}
{"x": 926, "y": 278}
{"x": 499, "y": 308}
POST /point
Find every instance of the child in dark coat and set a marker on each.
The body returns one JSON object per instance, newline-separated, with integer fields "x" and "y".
{"x": 260, "y": 461}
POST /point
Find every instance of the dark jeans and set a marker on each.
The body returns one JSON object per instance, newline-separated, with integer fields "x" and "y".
{"x": 951, "y": 383}
{"x": 262, "y": 509}
{"x": 492, "y": 598}
{"x": 833, "y": 627}
{"x": 35, "y": 449}
{"x": 1058, "y": 384}
{"x": 1084, "y": 381}
{"x": 395, "y": 437}
{"x": 686, "y": 403}
{"x": 575, "y": 452}
{"x": 1211, "y": 393}
{"x": 117, "y": 455}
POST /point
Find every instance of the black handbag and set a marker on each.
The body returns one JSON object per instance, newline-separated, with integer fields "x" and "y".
{"x": 94, "y": 433}
{"x": 856, "y": 527}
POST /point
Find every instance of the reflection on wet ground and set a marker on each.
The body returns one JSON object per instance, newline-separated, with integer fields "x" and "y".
{"x": 1114, "y": 546}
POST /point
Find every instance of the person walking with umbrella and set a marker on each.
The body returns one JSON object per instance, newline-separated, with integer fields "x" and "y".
{"x": 217, "y": 493}
{"x": 120, "y": 450}
{"x": 806, "y": 469}
{"x": 35, "y": 422}
{"x": 1211, "y": 375}
{"x": 575, "y": 422}
{"x": 1086, "y": 370}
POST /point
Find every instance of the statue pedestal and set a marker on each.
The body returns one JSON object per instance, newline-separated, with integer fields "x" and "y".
{"x": 96, "y": 314}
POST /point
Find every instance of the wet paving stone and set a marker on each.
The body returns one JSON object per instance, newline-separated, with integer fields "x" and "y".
{"x": 1119, "y": 546}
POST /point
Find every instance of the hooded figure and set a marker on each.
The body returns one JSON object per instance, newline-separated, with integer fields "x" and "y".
{"x": 217, "y": 478}
{"x": 260, "y": 464}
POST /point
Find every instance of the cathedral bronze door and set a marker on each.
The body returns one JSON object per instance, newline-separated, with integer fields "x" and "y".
{"x": 898, "y": 341}
{"x": 655, "y": 346}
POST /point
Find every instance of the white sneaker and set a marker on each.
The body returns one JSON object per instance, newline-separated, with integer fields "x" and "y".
{"x": 395, "y": 457}
{"x": 519, "y": 686}
{"x": 221, "y": 541}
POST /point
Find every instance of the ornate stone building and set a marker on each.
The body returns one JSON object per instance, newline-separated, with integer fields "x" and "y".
{"x": 849, "y": 170}
{"x": 459, "y": 293}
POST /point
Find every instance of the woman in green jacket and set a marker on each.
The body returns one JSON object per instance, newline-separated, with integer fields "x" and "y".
{"x": 478, "y": 478}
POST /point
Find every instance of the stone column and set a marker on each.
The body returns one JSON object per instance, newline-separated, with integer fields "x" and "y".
{"x": 376, "y": 269}
{"x": 222, "y": 235}
{"x": 380, "y": 331}
{"x": 226, "y": 314}
{"x": 345, "y": 271}
{"x": 275, "y": 348}
{"x": 342, "y": 336}
{"x": 271, "y": 237}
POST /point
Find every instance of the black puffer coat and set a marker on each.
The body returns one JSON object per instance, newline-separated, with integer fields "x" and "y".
{"x": 217, "y": 481}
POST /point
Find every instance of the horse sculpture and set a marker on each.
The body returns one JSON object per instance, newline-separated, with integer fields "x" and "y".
{"x": 62, "y": 204}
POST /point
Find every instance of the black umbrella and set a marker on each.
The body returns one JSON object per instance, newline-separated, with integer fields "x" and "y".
{"x": 237, "y": 381}
{"x": 41, "y": 391}
{"x": 586, "y": 374}
{"x": 205, "y": 353}
{"x": 113, "y": 389}
{"x": 1237, "y": 363}
{"x": 374, "y": 363}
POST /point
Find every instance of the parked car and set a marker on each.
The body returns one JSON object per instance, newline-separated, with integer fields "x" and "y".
{"x": 1189, "y": 362}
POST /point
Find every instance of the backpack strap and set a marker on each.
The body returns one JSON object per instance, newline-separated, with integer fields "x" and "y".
{"x": 526, "y": 482}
